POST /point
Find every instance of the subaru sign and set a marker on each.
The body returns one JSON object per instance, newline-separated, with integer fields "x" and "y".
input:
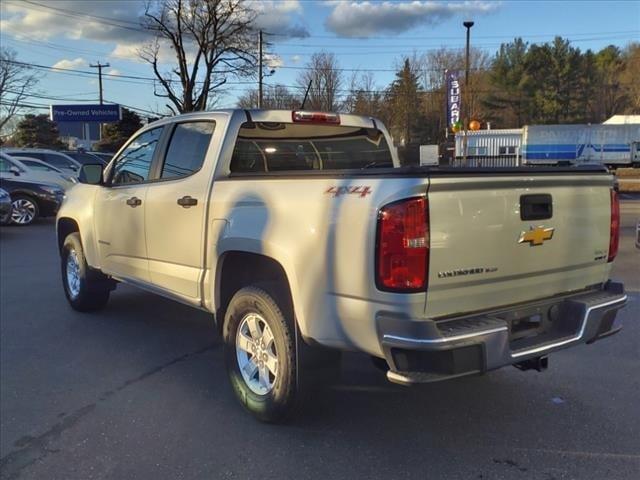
{"x": 454, "y": 98}
{"x": 86, "y": 113}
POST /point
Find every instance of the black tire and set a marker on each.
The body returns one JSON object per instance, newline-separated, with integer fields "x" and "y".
{"x": 94, "y": 287}
{"x": 278, "y": 403}
{"x": 19, "y": 202}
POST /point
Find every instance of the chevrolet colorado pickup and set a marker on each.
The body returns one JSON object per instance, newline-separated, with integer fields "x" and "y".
{"x": 303, "y": 236}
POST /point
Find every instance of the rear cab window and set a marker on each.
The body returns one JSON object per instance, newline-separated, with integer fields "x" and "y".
{"x": 278, "y": 147}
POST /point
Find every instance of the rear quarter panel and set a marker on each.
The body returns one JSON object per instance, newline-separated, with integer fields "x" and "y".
{"x": 325, "y": 242}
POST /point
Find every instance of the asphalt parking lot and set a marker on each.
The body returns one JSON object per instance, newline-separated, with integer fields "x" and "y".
{"x": 138, "y": 391}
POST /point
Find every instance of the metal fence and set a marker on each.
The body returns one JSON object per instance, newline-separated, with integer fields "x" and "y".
{"x": 501, "y": 161}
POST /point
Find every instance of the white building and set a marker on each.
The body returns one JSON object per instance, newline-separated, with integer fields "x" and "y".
{"x": 495, "y": 148}
{"x": 622, "y": 119}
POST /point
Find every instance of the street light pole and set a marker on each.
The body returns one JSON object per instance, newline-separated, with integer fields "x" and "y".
{"x": 260, "y": 72}
{"x": 468, "y": 26}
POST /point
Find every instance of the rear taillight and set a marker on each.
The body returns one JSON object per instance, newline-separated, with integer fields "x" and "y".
{"x": 402, "y": 255}
{"x": 614, "y": 232}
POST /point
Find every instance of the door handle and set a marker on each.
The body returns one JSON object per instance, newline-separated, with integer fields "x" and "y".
{"x": 134, "y": 202}
{"x": 187, "y": 201}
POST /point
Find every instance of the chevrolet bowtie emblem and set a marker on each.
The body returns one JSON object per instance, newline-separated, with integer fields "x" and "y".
{"x": 536, "y": 236}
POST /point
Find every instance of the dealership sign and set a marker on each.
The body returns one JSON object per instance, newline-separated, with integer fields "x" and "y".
{"x": 454, "y": 98}
{"x": 86, "y": 113}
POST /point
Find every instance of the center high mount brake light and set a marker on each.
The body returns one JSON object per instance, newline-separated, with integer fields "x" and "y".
{"x": 315, "y": 117}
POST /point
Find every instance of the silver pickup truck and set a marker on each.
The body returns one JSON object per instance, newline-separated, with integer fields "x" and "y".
{"x": 303, "y": 236}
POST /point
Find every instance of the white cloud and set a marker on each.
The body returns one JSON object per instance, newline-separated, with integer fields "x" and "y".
{"x": 365, "y": 18}
{"x": 273, "y": 61}
{"x": 283, "y": 18}
{"x": 114, "y": 71}
{"x": 117, "y": 22}
{"x": 72, "y": 64}
{"x": 295, "y": 59}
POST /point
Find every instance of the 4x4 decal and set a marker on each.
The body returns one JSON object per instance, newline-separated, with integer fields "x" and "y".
{"x": 360, "y": 190}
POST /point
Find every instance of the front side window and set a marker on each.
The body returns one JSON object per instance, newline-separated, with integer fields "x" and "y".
{"x": 134, "y": 163}
{"x": 39, "y": 166}
{"x": 59, "y": 161}
{"x": 187, "y": 149}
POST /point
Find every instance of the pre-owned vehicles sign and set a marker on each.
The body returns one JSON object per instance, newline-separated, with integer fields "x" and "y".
{"x": 86, "y": 113}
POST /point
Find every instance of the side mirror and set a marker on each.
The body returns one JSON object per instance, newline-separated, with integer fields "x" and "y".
{"x": 91, "y": 174}
{"x": 15, "y": 170}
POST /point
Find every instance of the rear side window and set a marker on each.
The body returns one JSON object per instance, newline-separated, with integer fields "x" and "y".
{"x": 187, "y": 149}
{"x": 5, "y": 165}
{"x": 276, "y": 147}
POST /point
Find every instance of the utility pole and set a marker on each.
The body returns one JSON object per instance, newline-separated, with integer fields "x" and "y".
{"x": 260, "y": 72}
{"x": 100, "y": 66}
{"x": 465, "y": 139}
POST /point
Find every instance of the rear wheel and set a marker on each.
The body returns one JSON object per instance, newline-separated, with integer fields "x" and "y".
{"x": 25, "y": 210}
{"x": 86, "y": 289}
{"x": 260, "y": 354}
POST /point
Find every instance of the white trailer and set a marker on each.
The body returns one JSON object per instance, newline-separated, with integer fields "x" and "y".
{"x": 611, "y": 145}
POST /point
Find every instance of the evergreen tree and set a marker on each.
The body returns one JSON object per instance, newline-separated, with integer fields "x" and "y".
{"x": 37, "y": 131}
{"x": 114, "y": 135}
{"x": 403, "y": 99}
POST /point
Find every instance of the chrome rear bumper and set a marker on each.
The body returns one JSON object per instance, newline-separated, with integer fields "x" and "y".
{"x": 420, "y": 351}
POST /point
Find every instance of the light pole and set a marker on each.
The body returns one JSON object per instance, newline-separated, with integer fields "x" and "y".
{"x": 468, "y": 26}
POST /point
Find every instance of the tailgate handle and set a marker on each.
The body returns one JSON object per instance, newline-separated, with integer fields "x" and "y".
{"x": 537, "y": 206}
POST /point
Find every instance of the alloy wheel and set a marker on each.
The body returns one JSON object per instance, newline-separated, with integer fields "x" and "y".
{"x": 256, "y": 354}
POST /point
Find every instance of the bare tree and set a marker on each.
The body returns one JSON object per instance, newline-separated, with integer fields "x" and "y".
{"x": 211, "y": 40}
{"x": 364, "y": 97}
{"x": 326, "y": 79}
{"x": 277, "y": 97}
{"x": 17, "y": 82}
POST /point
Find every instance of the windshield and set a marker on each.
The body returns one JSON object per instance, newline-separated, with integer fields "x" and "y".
{"x": 271, "y": 147}
{"x": 38, "y": 166}
{"x": 59, "y": 161}
{"x": 84, "y": 158}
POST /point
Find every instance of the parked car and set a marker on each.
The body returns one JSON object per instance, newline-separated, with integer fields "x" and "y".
{"x": 31, "y": 200}
{"x": 5, "y": 207}
{"x": 33, "y": 170}
{"x": 56, "y": 159}
{"x": 303, "y": 236}
{"x": 84, "y": 157}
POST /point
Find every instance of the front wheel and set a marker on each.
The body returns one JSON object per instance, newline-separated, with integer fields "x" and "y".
{"x": 260, "y": 354}
{"x": 86, "y": 289}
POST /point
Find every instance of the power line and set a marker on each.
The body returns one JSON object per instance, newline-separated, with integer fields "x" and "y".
{"x": 55, "y": 98}
{"x": 136, "y": 27}
{"x": 435, "y": 37}
{"x": 111, "y": 75}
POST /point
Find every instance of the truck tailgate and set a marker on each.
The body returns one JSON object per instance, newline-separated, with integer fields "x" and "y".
{"x": 484, "y": 254}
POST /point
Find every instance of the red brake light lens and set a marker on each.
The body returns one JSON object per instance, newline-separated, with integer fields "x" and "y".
{"x": 614, "y": 232}
{"x": 403, "y": 246}
{"x": 316, "y": 117}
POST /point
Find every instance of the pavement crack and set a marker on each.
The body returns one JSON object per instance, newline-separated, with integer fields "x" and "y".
{"x": 37, "y": 448}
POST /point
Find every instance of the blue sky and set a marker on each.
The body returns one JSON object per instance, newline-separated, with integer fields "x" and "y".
{"x": 70, "y": 34}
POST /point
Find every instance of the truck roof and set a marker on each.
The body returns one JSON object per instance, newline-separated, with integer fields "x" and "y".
{"x": 279, "y": 116}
